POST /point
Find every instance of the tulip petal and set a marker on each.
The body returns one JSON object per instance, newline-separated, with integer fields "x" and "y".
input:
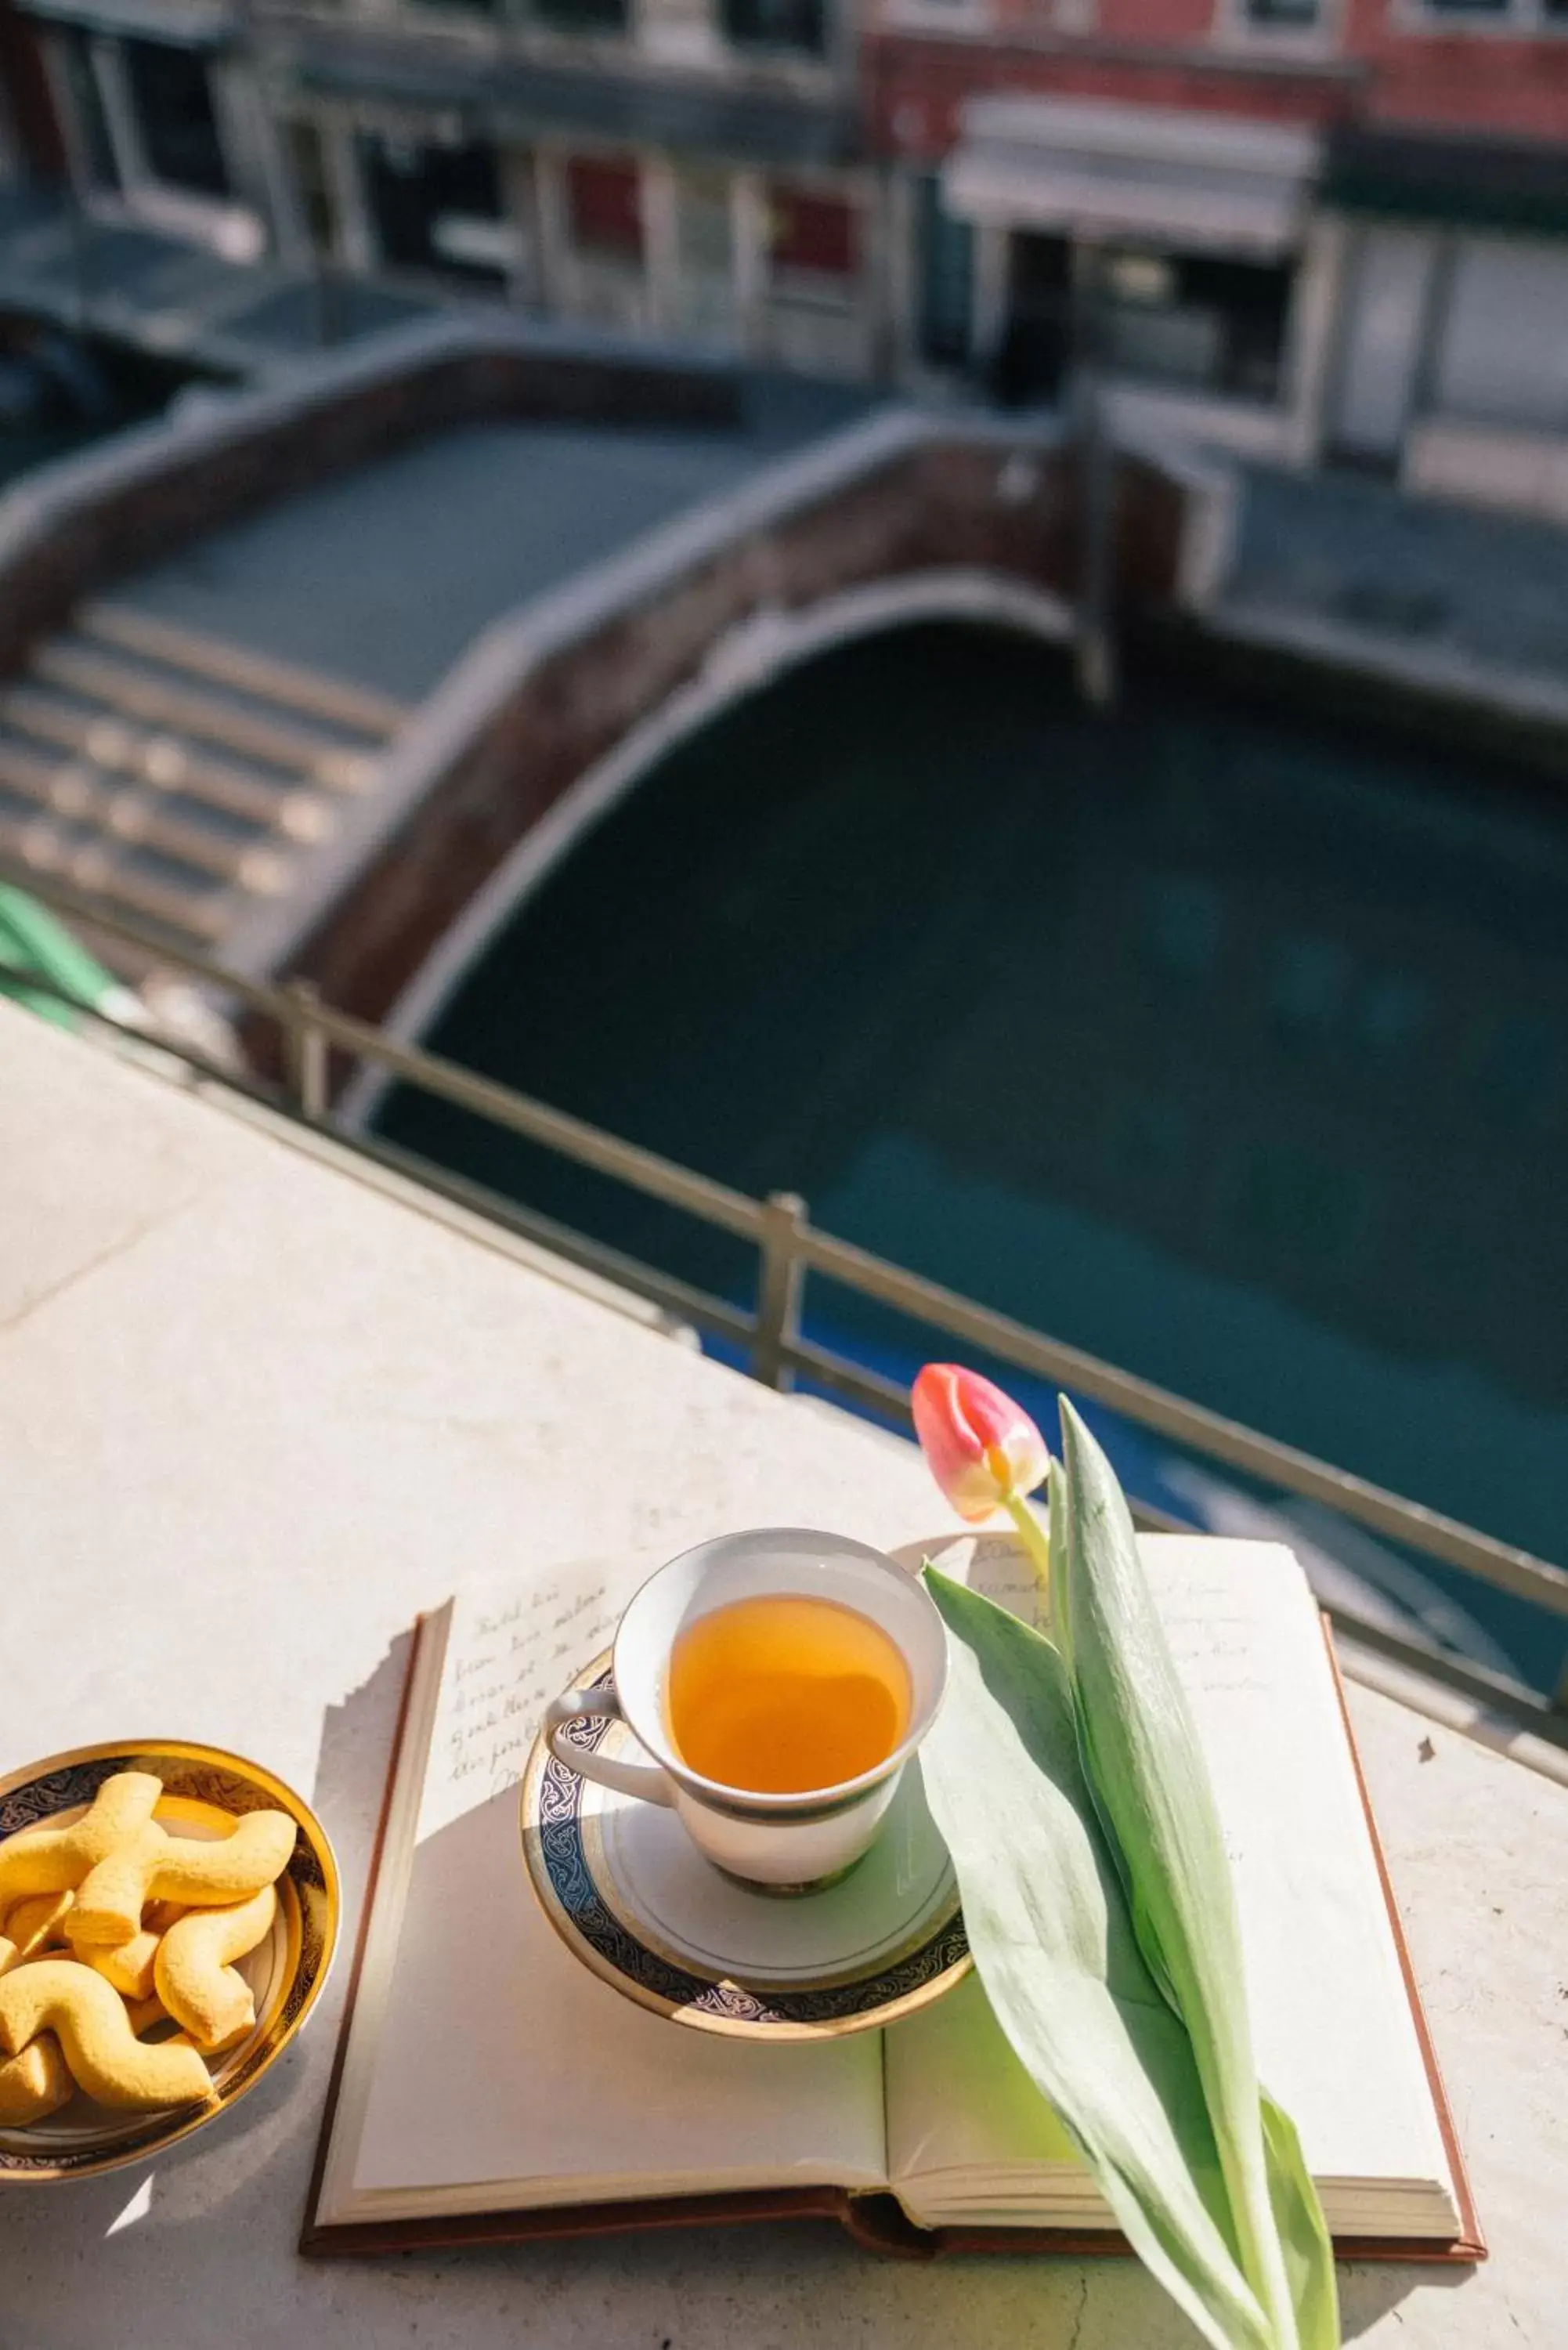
{"x": 983, "y": 1449}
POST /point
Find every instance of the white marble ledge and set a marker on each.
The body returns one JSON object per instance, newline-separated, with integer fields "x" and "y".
{"x": 253, "y": 1414}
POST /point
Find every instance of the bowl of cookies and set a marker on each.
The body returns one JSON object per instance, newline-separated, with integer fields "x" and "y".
{"x": 168, "y": 1916}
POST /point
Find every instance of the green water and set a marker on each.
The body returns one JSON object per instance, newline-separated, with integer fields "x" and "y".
{"x": 1228, "y": 1043}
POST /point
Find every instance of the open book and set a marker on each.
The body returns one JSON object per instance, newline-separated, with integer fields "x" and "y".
{"x": 488, "y": 2084}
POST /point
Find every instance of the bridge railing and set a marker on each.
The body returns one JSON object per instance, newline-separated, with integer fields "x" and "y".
{"x": 789, "y": 1249}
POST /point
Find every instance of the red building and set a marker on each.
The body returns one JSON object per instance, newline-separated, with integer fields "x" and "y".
{"x": 1295, "y": 226}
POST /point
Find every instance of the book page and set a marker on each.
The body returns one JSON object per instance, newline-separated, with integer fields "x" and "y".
{"x": 959, "y": 2100}
{"x": 1332, "y": 2026}
{"x": 505, "y": 2073}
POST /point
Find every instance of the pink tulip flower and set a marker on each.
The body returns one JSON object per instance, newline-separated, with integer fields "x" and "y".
{"x": 983, "y": 1449}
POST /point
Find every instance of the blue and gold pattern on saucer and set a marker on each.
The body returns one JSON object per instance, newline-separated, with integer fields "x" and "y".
{"x": 203, "y": 1788}
{"x": 630, "y": 1896}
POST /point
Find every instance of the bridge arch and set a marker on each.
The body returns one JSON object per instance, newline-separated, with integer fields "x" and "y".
{"x": 558, "y": 708}
{"x": 754, "y": 655}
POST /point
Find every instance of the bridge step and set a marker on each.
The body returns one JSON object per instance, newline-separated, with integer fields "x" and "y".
{"x": 131, "y": 689}
{"x": 164, "y": 762}
{"x": 177, "y": 776}
{"x": 88, "y": 796}
{"x": 352, "y": 707}
{"x": 166, "y": 894}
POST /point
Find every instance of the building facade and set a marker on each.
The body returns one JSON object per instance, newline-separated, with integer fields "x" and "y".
{"x": 1304, "y": 230}
{"x": 684, "y": 169}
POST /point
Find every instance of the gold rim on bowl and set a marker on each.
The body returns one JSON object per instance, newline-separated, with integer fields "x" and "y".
{"x": 198, "y": 1779}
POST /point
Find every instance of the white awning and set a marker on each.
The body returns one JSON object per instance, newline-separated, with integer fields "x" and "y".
{"x": 1132, "y": 173}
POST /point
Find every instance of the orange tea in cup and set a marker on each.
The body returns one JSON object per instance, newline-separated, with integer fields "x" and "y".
{"x": 786, "y": 1692}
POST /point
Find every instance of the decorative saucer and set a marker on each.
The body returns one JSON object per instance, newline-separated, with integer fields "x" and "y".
{"x": 203, "y": 1787}
{"x": 631, "y": 1896}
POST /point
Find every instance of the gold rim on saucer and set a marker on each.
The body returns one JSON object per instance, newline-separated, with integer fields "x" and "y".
{"x": 566, "y": 1857}
{"x": 204, "y": 1785}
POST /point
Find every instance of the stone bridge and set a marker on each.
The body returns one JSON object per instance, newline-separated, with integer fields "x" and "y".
{"x": 286, "y": 820}
{"x": 554, "y": 716}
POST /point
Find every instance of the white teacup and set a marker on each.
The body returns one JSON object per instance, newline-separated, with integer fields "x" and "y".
{"x": 786, "y": 1843}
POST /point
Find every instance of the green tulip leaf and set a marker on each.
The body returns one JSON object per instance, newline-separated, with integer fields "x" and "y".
{"x": 1304, "y": 2232}
{"x": 1141, "y": 1753}
{"x": 1057, "y": 1952}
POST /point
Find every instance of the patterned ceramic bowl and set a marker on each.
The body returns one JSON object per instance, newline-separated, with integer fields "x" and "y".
{"x": 203, "y": 1788}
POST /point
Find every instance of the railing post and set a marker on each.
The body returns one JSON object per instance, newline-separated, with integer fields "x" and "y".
{"x": 778, "y": 1288}
{"x": 304, "y": 1053}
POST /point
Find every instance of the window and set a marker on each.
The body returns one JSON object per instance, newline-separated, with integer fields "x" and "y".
{"x": 701, "y": 294}
{"x": 179, "y": 130}
{"x": 776, "y": 24}
{"x": 946, "y": 282}
{"x": 704, "y": 229}
{"x": 1504, "y": 354}
{"x": 811, "y": 236}
{"x": 85, "y": 103}
{"x": 604, "y": 203}
{"x": 439, "y": 209}
{"x": 1282, "y": 15}
{"x": 1187, "y": 321}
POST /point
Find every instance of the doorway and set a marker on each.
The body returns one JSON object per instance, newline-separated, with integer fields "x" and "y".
{"x": 440, "y": 210}
{"x": 1383, "y": 331}
{"x": 1032, "y": 359}
{"x": 704, "y": 302}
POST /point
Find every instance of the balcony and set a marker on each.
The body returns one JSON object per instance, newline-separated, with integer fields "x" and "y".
{"x": 263, "y": 1399}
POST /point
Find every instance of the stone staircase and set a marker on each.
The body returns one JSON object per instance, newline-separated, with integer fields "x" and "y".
{"x": 175, "y": 775}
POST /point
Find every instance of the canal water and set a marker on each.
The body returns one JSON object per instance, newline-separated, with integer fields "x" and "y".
{"x": 1226, "y": 1042}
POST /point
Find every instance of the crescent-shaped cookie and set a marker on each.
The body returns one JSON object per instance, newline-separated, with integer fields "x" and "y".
{"x": 129, "y": 1966}
{"x": 40, "y": 1923}
{"x": 152, "y": 1867}
{"x": 36, "y": 2083}
{"x": 33, "y": 1927}
{"x": 197, "y": 1984}
{"x": 105, "y": 2058}
{"x": 53, "y": 1860}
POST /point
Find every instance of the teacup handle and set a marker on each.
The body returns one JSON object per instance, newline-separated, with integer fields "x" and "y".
{"x": 580, "y": 1704}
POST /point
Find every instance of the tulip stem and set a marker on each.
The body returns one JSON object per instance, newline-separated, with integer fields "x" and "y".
{"x": 1036, "y": 1541}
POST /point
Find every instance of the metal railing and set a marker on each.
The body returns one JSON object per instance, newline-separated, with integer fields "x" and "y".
{"x": 790, "y": 1248}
